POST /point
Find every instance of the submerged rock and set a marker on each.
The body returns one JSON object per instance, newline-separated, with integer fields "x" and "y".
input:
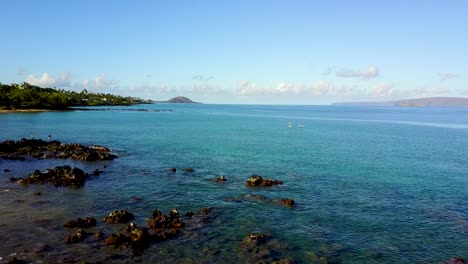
{"x": 80, "y": 222}
{"x": 189, "y": 214}
{"x": 456, "y": 260}
{"x": 205, "y": 211}
{"x": 119, "y": 216}
{"x": 221, "y": 179}
{"x": 187, "y": 170}
{"x": 159, "y": 220}
{"x": 15, "y": 260}
{"x": 39, "y": 248}
{"x": 80, "y": 235}
{"x": 256, "y": 180}
{"x": 60, "y": 176}
{"x": 256, "y": 238}
{"x": 288, "y": 202}
{"x": 262, "y": 248}
{"x": 258, "y": 198}
{"x": 138, "y": 238}
{"x": 116, "y": 240}
{"x": 97, "y": 172}
{"x": 99, "y": 234}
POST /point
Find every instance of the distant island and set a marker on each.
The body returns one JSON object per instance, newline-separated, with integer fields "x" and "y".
{"x": 21, "y": 97}
{"x": 179, "y": 100}
{"x": 419, "y": 102}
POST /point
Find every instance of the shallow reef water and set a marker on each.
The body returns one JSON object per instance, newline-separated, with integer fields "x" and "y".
{"x": 370, "y": 185}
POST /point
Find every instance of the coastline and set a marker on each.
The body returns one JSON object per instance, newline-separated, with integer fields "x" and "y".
{"x": 29, "y": 110}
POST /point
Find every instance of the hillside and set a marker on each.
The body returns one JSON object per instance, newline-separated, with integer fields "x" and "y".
{"x": 181, "y": 100}
{"x": 419, "y": 102}
{"x": 27, "y": 96}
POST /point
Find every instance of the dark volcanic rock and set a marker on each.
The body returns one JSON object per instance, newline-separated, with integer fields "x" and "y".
{"x": 119, "y": 216}
{"x": 99, "y": 234}
{"x": 261, "y": 248}
{"x": 41, "y": 248}
{"x": 80, "y": 235}
{"x": 288, "y": 202}
{"x": 15, "y": 260}
{"x": 189, "y": 214}
{"x": 159, "y": 220}
{"x": 39, "y": 149}
{"x": 81, "y": 223}
{"x": 97, "y": 172}
{"x": 186, "y": 170}
{"x": 256, "y": 238}
{"x": 138, "y": 238}
{"x": 60, "y": 176}
{"x": 205, "y": 211}
{"x": 116, "y": 240}
{"x": 256, "y": 180}
{"x": 221, "y": 179}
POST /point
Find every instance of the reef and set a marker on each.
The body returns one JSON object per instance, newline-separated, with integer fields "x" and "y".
{"x": 40, "y": 149}
{"x": 262, "y": 248}
{"x": 60, "y": 176}
{"x": 256, "y": 180}
{"x": 81, "y": 222}
{"x": 119, "y": 216}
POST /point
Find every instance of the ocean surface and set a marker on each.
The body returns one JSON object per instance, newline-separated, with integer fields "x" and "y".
{"x": 371, "y": 184}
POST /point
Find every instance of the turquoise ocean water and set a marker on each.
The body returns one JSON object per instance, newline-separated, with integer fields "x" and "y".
{"x": 371, "y": 185}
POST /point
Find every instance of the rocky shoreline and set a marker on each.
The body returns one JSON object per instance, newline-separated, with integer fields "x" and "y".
{"x": 40, "y": 149}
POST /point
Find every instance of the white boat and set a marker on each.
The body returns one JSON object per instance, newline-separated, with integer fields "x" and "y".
{"x": 300, "y": 125}
{"x": 290, "y": 125}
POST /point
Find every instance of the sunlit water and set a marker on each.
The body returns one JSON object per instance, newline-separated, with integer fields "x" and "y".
{"x": 373, "y": 185}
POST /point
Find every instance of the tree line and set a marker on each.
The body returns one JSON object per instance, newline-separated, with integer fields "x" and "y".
{"x": 26, "y": 96}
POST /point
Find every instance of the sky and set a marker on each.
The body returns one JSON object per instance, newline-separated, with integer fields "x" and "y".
{"x": 239, "y": 52}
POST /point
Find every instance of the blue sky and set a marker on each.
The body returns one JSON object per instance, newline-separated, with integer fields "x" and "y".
{"x": 260, "y": 52}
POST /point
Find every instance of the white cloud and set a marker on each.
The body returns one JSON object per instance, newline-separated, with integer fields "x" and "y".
{"x": 207, "y": 89}
{"x": 321, "y": 87}
{"x": 447, "y": 76}
{"x": 382, "y": 90}
{"x": 161, "y": 88}
{"x": 285, "y": 87}
{"x": 246, "y": 88}
{"x": 368, "y": 73}
{"x": 101, "y": 82}
{"x": 85, "y": 84}
{"x": 63, "y": 80}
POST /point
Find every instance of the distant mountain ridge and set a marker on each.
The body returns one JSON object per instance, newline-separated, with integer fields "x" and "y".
{"x": 418, "y": 102}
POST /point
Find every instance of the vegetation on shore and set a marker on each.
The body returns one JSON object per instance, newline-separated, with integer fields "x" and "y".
{"x": 26, "y": 96}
